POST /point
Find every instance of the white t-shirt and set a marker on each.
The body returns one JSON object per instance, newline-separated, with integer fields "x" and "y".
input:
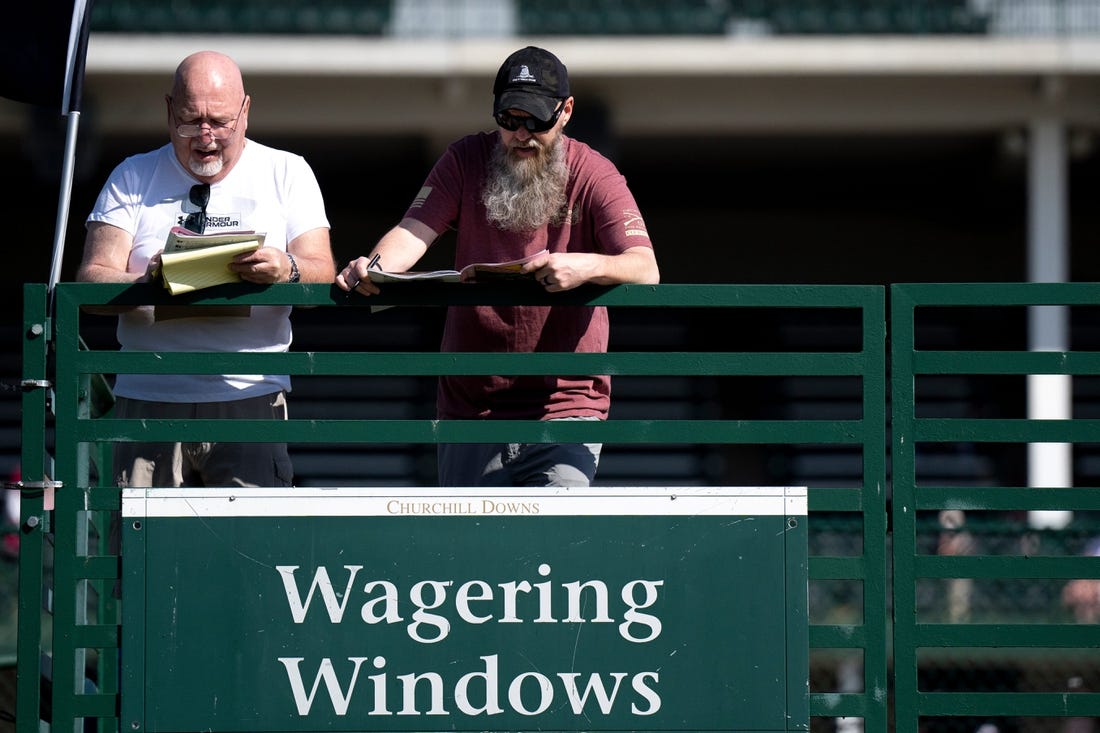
{"x": 269, "y": 191}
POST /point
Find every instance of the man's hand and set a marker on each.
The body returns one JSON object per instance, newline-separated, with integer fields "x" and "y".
{"x": 263, "y": 266}
{"x": 354, "y": 277}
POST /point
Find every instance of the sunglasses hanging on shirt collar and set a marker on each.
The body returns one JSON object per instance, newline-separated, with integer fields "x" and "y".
{"x": 199, "y": 196}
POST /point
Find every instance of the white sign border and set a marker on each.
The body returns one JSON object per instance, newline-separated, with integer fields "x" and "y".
{"x": 474, "y": 501}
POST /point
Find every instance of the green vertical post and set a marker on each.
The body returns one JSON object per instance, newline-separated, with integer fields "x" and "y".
{"x": 904, "y": 512}
{"x": 33, "y": 521}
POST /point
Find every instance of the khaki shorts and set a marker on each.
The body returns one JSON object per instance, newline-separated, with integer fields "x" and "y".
{"x": 141, "y": 465}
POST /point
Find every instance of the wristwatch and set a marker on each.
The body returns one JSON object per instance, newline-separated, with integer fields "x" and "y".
{"x": 295, "y": 276}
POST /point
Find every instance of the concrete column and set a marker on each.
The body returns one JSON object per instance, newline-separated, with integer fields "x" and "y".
{"x": 1049, "y": 395}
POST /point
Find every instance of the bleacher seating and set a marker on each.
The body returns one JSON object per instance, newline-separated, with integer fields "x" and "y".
{"x": 1085, "y": 333}
{"x": 565, "y": 17}
{"x": 331, "y": 17}
{"x": 413, "y": 397}
{"x": 624, "y": 17}
{"x": 864, "y": 17}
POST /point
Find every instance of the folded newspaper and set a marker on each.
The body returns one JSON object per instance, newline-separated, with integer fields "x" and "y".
{"x": 476, "y": 272}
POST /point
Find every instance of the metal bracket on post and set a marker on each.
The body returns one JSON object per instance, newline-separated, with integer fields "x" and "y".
{"x": 33, "y": 485}
{"x": 29, "y": 384}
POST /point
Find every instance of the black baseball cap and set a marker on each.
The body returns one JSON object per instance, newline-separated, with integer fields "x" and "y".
{"x": 533, "y": 80}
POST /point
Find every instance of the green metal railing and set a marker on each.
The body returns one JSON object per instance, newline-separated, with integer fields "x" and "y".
{"x": 64, "y": 562}
{"x": 920, "y": 638}
{"x": 83, "y": 629}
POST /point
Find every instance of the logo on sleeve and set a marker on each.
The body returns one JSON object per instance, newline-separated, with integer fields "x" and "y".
{"x": 633, "y": 224}
{"x": 421, "y": 197}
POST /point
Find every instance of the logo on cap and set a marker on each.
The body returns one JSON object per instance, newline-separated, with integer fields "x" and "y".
{"x": 524, "y": 75}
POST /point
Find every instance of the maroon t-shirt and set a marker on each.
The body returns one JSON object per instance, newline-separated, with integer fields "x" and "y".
{"x": 604, "y": 218}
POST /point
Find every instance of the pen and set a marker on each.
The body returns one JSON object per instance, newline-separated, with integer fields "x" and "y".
{"x": 373, "y": 264}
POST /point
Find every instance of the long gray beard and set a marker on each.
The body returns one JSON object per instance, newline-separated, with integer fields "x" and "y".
{"x": 524, "y": 194}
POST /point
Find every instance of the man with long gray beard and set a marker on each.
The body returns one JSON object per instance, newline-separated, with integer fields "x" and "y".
{"x": 509, "y": 194}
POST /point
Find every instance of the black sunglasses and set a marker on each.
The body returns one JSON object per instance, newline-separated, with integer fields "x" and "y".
{"x": 199, "y": 196}
{"x": 511, "y": 122}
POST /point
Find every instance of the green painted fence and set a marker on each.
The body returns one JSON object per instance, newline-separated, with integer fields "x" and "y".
{"x": 995, "y": 352}
{"x": 66, "y": 568}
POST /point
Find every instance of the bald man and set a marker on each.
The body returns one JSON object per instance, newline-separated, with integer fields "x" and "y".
{"x": 208, "y": 178}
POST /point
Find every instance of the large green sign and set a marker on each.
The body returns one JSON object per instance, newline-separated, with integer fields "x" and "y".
{"x": 607, "y": 609}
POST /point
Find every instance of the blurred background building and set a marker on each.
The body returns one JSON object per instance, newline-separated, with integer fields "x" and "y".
{"x": 767, "y": 141}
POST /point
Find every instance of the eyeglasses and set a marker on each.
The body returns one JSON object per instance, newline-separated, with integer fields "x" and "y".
{"x": 199, "y": 196}
{"x": 216, "y": 130}
{"x": 511, "y": 122}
